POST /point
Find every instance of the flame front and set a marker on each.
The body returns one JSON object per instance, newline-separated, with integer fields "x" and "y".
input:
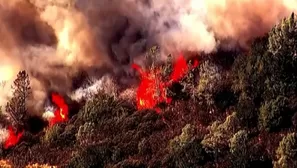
{"x": 13, "y": 138}
{"x": 60, "y": 114}
{"x": 152, "y": 89}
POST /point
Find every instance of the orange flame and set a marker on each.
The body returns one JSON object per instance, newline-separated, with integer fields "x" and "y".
{"x": 13, "y": 138}
{"x": 152, "y": 90}
{"x": 61, "y": 114}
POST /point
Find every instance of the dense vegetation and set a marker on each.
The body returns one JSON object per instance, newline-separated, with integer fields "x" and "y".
{"x": 232, "y": 111}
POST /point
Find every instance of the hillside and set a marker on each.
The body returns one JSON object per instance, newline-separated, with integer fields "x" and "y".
{"x": 234, "y": 109}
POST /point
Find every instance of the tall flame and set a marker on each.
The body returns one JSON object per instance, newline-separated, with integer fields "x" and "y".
{"x": 13, "y": 138}
{"x": 61, "y": 113}
{"x": 152, "y": 89}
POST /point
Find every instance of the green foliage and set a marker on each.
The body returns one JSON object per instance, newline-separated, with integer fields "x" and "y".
{"x": 272, "y": 113}
{"x": 102, "y": 106}
{"x": 180, "y": 141}
{"x": 220, "y": 133}
{"x": 52, "y": 134}
{"x": 209, "y": 77}
{"x": 268, "y": 71}
{"x": 239, "y": 149}
{"x": 249, "y": 73}
{"x": 282, "y": 38}
{"x": 17, "y": 106}
{"x": 287, "y": 152}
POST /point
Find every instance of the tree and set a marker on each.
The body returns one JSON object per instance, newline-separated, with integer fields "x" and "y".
{"x": 180, "y": 141}
{"x": 249, "y": 74}
{"x": 273, "y": 113}
{"x": 220, "y": 133}
{"x": 16, "y": 107}
{"x": 267, "y": 72}
{"x": 282, "y": 38}
{"x": 209, "y": 77}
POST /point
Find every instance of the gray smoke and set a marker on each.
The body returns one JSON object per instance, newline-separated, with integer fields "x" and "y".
{"x": 57, "y": 40}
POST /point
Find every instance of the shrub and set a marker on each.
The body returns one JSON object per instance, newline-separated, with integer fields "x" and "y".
{"x": 272, "y": 113}
{"x": 52, "y": 134}
{"x": 209, "y": 76}
{"x": 287, "y": 152}
{"x": 180, "y": 141}
{"x": 102, "y": 107}
{"x": 220, "y": 133}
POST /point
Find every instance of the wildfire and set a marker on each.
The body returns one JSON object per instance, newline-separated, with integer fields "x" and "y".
{"x": 13, "y": 138}
{"x": 61, "y": 113}
{"x": 152, "y": 89}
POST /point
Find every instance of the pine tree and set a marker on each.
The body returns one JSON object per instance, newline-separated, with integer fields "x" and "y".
{"x": 16, "y": 107}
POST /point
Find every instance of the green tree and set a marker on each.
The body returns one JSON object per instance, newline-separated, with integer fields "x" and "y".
{"x": 287, "y": 152}
{"x": 273, "y": 113}
{"x": 220, "y": 133}
{"x": 180, "y": 141}
{"x": 17, "y": 106}
{"x": 282, "y": 38}
{"x": 249, "y": 81}
{"x": 209, "y": 76}
{"x": 266, "y": 72}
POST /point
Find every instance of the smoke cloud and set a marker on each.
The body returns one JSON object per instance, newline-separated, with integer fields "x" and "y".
{"x": 56, "y": 40}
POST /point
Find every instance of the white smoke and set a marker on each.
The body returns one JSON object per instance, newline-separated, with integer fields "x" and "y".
{"x": 4, "y": 134}
{"x": 87, "y": 31}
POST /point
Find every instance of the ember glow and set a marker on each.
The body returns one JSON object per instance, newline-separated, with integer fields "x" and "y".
{"x": 152, "y": 89}
{"x": 13, "y": 138}
{"x": 61, "y": 113}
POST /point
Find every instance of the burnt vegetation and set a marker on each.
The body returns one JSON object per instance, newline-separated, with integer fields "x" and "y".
{"x": 233, "y": 110}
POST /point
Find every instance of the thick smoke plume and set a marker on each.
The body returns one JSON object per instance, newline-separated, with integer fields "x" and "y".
{"x": 56, "y": 40}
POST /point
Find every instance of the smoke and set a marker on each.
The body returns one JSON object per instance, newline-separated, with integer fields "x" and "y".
{"x": 56, "y": 40}
{"x": 3, "y": 135}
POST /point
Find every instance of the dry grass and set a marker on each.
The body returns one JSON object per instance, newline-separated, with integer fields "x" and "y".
{"x": 7, "y": 164}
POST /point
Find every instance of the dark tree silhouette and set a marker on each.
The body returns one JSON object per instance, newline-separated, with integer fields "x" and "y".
{"x": 16, "y": 107}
